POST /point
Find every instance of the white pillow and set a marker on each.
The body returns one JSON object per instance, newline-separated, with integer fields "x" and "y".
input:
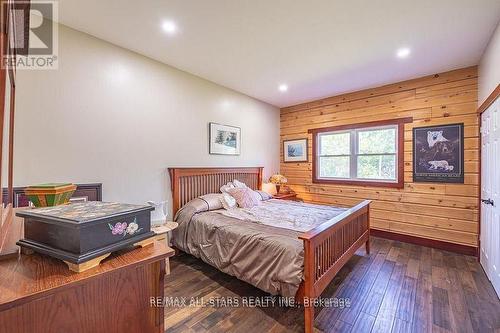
{"x": 226, "y": 187}
{"x": 239, "y": 184}
{"x": 227, "y": 201}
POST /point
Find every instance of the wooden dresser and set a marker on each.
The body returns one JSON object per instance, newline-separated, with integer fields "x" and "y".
{"x": 40, "y": 294}
{"x": 84, "y": 192}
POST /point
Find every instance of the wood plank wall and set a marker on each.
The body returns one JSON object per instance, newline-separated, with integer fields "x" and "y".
{"x": 444, "y": 212}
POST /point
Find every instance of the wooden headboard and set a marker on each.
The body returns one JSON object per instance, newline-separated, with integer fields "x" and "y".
{"x": 189, "y": 183}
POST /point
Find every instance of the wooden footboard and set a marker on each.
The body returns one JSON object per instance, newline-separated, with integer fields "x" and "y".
{"x": 327, "y": 248}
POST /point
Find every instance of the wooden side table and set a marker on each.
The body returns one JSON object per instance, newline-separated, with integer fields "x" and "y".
{"x": 163, "y": 232}
{"x": 286, "y": 196}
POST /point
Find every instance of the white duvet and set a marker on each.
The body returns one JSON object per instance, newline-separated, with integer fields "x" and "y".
{"x": 291, "y": 215}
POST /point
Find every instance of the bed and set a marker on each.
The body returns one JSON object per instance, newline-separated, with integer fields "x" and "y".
{"x": 299, "y": 260}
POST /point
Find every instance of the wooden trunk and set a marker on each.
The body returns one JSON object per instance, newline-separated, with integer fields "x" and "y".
{"x": 80, "y": 232}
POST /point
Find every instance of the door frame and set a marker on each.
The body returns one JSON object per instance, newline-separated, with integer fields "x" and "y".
{"x": 483, "y": 107}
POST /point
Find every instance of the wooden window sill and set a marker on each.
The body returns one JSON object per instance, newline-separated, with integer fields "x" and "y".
{"x": 399, "y": 184}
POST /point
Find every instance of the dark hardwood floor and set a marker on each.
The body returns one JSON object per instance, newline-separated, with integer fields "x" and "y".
{"x": 400, "y": 287}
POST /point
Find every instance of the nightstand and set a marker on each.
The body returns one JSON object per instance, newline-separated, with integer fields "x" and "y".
{"x": 286, "y": 196}
{"x": 162, "y": 232}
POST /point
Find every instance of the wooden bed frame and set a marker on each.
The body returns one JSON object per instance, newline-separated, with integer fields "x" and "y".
{"x": 326, "y": 248}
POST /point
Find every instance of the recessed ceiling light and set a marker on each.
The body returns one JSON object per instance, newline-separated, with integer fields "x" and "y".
{"x": 169, "y": 27}
{"x": 226, "y": 104}
{"x": 283, "y": 87}
{"x": 403, "y": 52}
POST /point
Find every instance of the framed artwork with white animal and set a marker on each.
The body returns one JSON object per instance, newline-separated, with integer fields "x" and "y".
{"x": 438, "y": 154}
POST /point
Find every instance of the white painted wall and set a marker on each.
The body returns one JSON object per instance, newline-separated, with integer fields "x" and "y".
{"x": 112, "y": 116}
{"x": 489, "y": 67}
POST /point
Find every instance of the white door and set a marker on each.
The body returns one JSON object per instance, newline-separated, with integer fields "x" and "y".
{"x": 490, "y": 193}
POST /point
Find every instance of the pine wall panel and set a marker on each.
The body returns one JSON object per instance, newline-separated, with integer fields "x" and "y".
{"x": 445, "y": 212}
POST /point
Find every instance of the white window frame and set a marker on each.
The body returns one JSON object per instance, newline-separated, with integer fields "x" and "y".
{"x": 354, "y": 153}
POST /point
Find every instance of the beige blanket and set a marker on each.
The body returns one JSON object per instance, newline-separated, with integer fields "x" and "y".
{"x": 258, "y": 245}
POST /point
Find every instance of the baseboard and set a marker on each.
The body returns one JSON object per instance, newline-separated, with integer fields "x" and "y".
{"x": 441, "y": 245}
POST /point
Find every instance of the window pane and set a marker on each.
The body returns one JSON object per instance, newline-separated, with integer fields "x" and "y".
{"x": 335, "y": 144}
{"x": 377, "y": 167}
{"x": 381, "y": 141}
{"x": 336, "y": 167}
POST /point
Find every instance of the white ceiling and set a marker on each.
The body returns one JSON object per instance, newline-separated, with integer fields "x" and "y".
{"x": 319, "y": 48}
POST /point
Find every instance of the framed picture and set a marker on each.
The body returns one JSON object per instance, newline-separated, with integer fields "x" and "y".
{"x": 224, "y": 139}
{"x": 295, "y": 150}
{"x": 438, "y": 154}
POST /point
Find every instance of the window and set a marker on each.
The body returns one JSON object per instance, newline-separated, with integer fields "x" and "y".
{"x": 361, "y": 154}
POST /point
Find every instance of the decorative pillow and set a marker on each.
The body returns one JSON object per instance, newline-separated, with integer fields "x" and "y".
{"x": 239, "y": 184}
{"x": 245, "y": 197}
{"x": 227, "y": 201}
{"x": 213, "y": 200}
{"x": 263, "y": 196}
{"x": 225, "y": 188}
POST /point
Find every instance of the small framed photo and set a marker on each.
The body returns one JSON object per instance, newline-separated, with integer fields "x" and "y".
{"x": 438, "y": 154}
{"x": 224, "y": 139}
{"x": 295, "y": 150}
